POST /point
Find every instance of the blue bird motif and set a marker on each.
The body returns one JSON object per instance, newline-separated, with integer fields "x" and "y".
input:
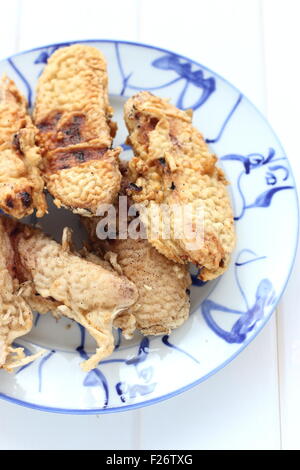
{"x": 184, "y": 72}
{"x": 274, "y": 176}
{"x": 248, "y": 318}
{"x": 144, "y": 372}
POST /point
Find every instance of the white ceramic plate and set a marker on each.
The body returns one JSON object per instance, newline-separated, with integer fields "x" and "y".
{"x": 226, "y": 314}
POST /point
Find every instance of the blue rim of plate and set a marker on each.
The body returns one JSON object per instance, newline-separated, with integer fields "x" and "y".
{"x": 228, "y": 361}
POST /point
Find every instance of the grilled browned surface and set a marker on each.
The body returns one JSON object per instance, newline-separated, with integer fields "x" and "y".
{"x": 21, "y": 183}
{"x": 73, "y": 115}
{"x": 174, "y": 166}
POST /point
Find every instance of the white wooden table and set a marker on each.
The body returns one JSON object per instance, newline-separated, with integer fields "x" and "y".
{"x": 254, "y": 402}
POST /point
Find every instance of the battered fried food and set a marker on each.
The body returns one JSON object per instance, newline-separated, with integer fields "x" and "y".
{"x": 21, "y": 184}
{"x": 173, "y": 166}
{"x": 75, "y": 287}
{"x": 15, "y": 313}
{"x": 163, "y": 303}
{"x": 73, "y": 116}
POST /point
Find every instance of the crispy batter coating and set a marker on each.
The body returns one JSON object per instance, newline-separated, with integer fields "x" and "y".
{"x": 73, "y": 116}
{"x": 163, "y": 303}
{"x": 88, "y": 293}
{"x": 21, "y": 183}
{"x": 15, "y": 313}
{"x": 71, "y": 285}
{"x": 173, "y": 166}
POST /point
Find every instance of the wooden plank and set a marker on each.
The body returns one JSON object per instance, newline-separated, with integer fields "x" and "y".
{"x": 223, "y": 35}
{"x": 239, "y": 407}
{"x": 235, "y": 409}
{"x": 9, "y": 28}
{"x": 25, "y": 429}
{"x": 67, "y": 20}
{"x": 45, "y": 23}
{"x": 282, "y": 39}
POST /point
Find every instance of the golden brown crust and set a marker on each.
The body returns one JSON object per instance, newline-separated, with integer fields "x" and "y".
{"x": 38, "y": 273}
{"x": 173, "y": 165}
{"x": 163, "y": 286}
{"x": 21, "y": 183}
{"x": 84, "y": 187}
{"x": 15, "y": 314}
{"x": 73, "y": 116}
{"x": 163, "y": 303}
{"x": 71, "y": 286}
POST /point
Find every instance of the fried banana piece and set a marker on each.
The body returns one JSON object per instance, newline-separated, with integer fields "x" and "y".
{"x": 174, "y": 166}
{"x": 79, "y": 289}
{"x": 21, "y": 183}
{"x": 15, "y": 313}
{"x": 163, "y": 286}
{"x": 73, "y": 116}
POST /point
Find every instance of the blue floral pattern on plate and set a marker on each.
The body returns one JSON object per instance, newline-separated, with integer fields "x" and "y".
{"x": 227, "y": 313}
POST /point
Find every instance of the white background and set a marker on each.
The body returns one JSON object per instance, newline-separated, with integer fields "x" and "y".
{"x": 254, "y": 402}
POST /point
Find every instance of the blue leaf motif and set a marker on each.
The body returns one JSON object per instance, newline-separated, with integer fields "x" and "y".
{"x": 165, "y": 62}
{"x": 271, "y": 155}
{"x": 44, "y": 55}
{"x": 265, "y": 199}
{"x": 234, "y": 156}
{"x": 42, "y": 58}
